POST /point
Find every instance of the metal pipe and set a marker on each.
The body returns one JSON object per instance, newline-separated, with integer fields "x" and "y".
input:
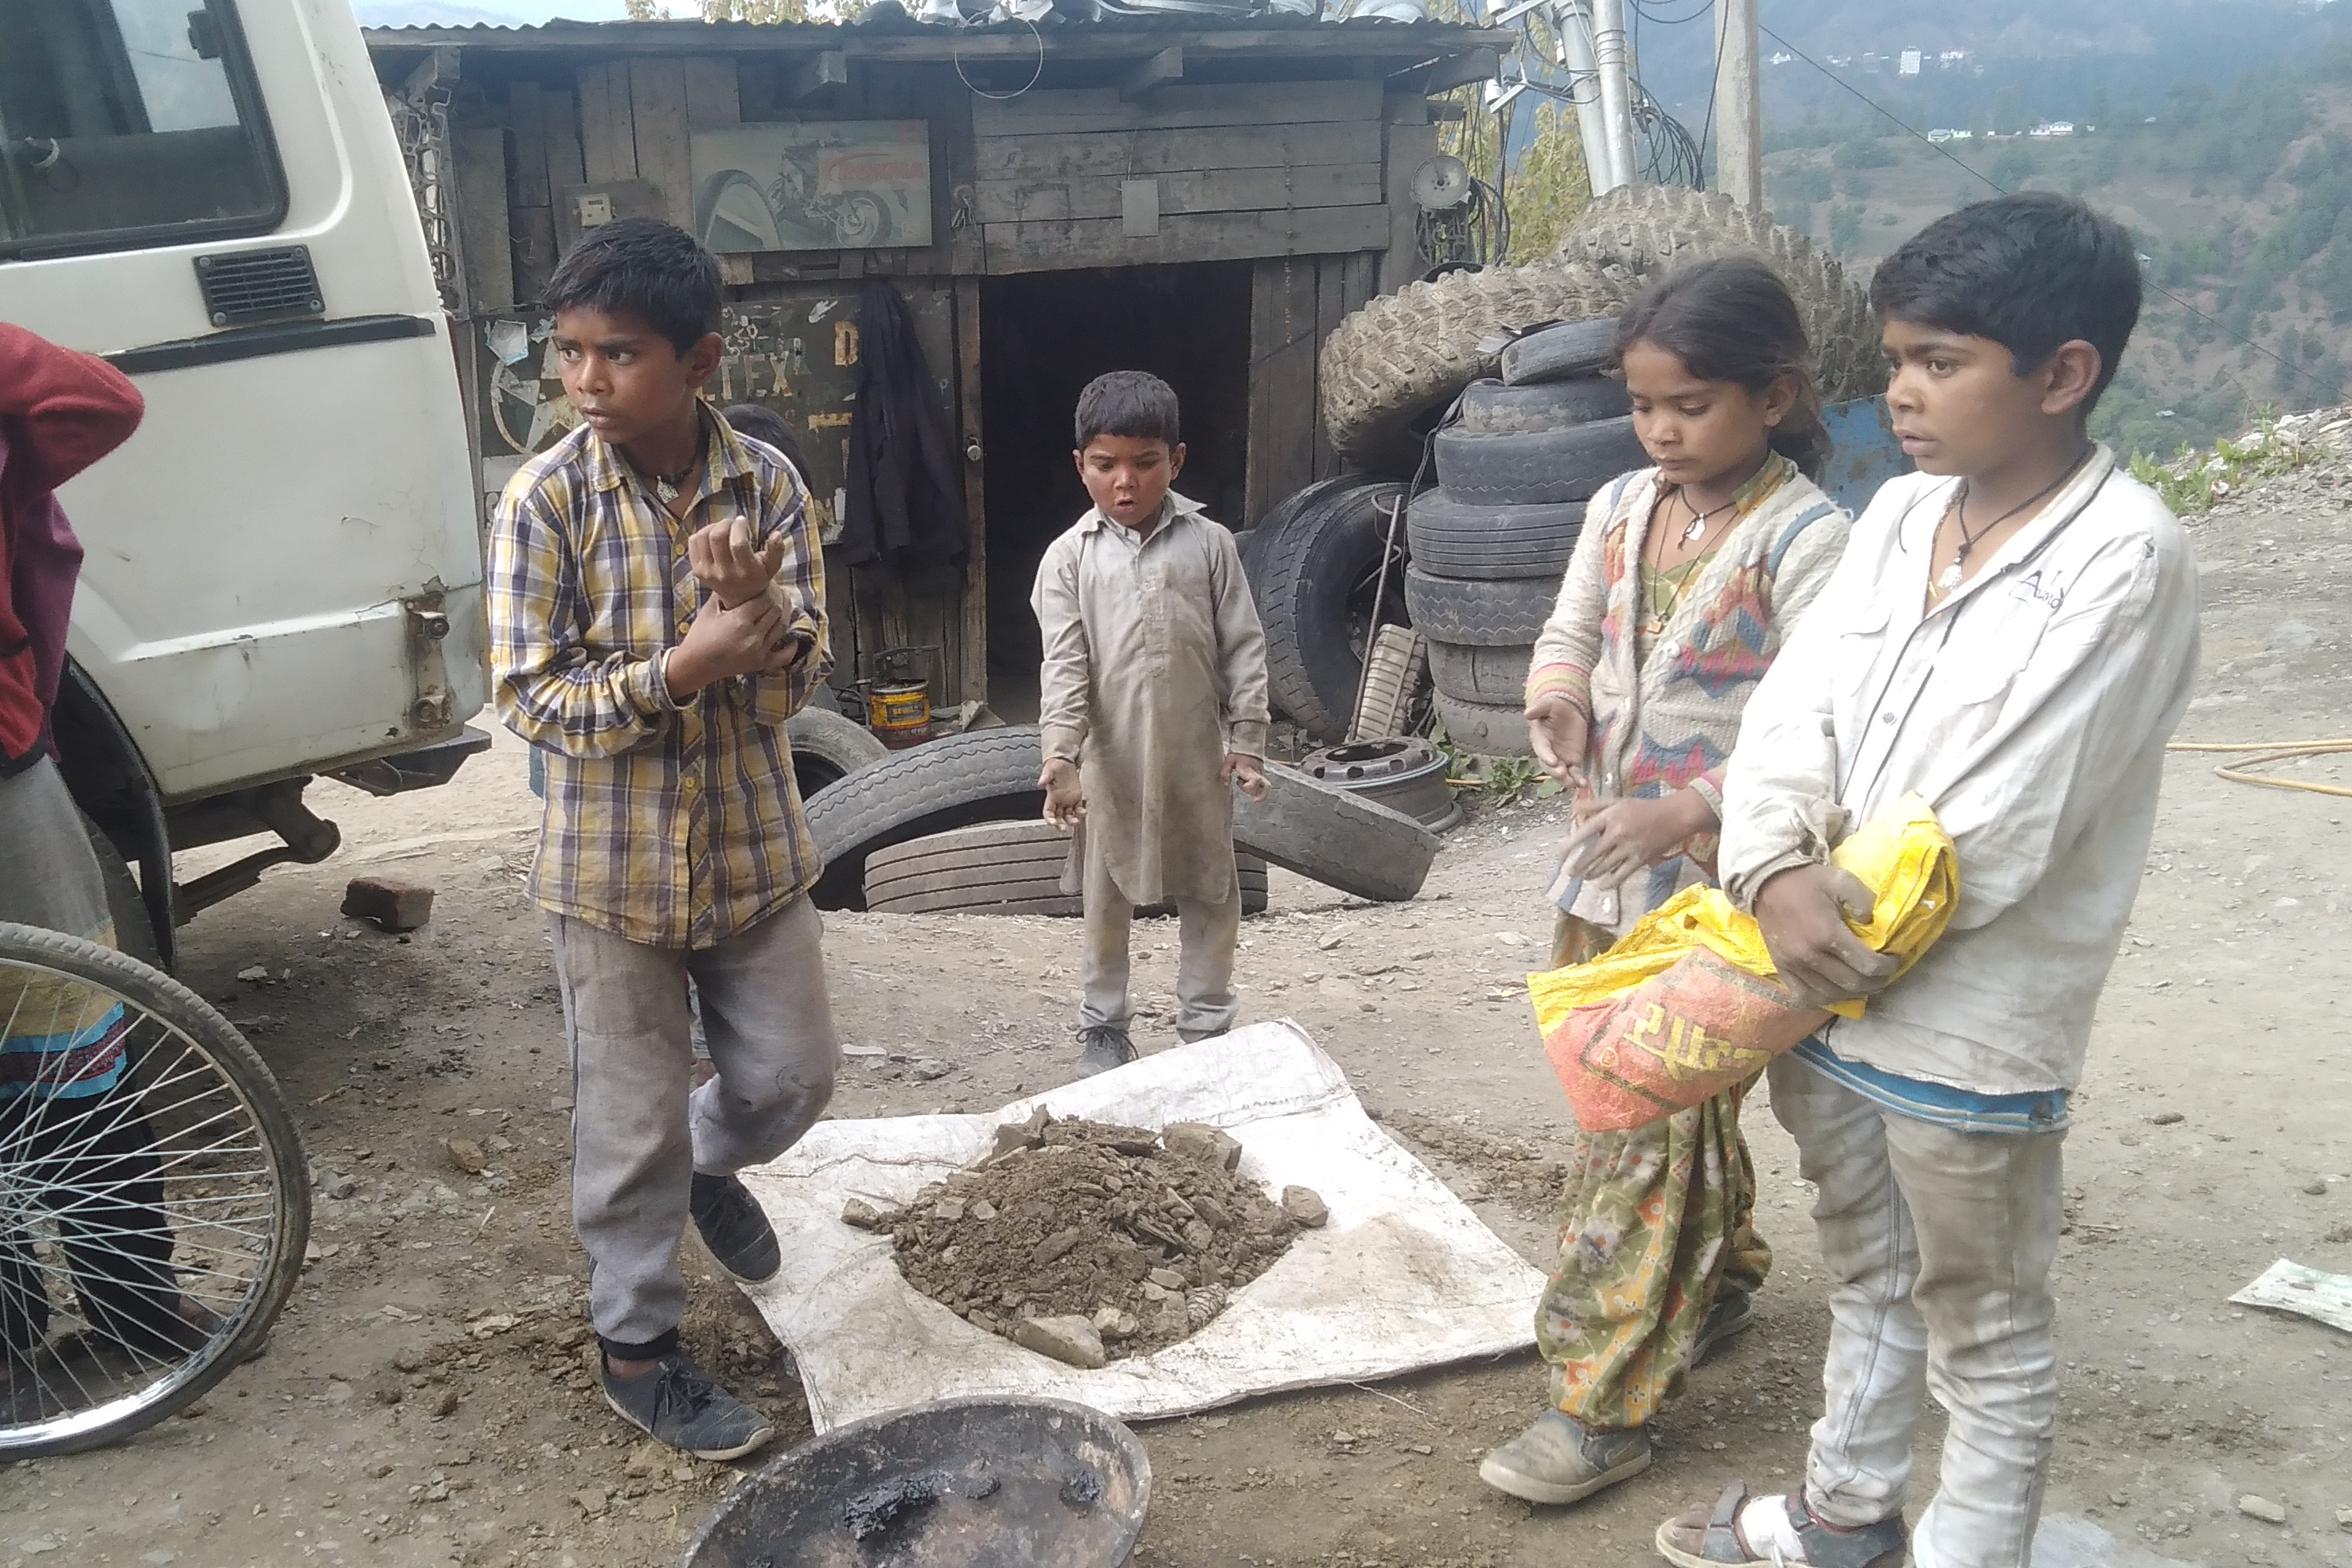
{"x": 1572, "y": 26}
{"x": 1609, "y": 53}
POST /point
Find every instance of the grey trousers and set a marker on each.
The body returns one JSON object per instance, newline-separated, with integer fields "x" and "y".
{"x": 1939, "y": 1246}
{"x": 638, "y": 1136}
{"x": 1205, "y": 1003}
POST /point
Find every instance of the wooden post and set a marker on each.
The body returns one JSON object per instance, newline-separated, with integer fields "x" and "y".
{"x": 1738, "y": 104}
{"x": 969, "y": 684}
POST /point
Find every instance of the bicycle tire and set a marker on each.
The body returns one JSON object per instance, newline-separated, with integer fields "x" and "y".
{"x": 190, "y": 1041}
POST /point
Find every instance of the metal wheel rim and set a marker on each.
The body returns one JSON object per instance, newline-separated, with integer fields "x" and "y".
{"x": 82, "y": 1379}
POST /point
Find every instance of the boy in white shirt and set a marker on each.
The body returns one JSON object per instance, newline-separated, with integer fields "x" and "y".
{"x": 2012, "y": 634}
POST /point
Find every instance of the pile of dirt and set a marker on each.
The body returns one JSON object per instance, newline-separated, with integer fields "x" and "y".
{"x": 1072, "y": 1226}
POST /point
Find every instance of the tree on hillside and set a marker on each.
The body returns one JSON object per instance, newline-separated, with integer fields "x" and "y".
{"x": 2009, "y": 112}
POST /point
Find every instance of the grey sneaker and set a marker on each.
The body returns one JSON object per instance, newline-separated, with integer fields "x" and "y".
{"x": 1103, "y": 1048}
{"x": 1561, "y": 1460}
{"x": 734, "y": 1227}
{"x": 1734, "y": 1312}
{"x": 678, "y": 1404}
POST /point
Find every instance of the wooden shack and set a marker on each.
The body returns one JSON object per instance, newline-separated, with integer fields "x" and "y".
{"x": 1198, "y": 196}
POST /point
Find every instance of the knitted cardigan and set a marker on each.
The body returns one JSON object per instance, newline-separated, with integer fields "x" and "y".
{"x": 1660, "y": 723}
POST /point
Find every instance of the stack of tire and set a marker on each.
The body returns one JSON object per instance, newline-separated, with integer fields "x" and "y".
{"x": 1490, "y": 543}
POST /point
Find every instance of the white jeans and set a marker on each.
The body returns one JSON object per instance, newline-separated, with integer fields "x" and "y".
{"x": 1939, "y": 1246}
{"x": 1205, "y": 1003}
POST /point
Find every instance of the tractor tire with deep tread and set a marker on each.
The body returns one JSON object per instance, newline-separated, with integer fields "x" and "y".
{"x": 1491, "y": 408}
{"x": 1650, "y": 229}
{"x": 1510, "y": 613}
{"x": 1453, "y": 538}
{"x": 1331, "y": 836}
{"x": 827, "y": 746}
{"x": 982, "y": 775}
{"x": 1484, "y": 729}
{"x": 1389, "y": 369}
{"x": 1468, "y": 673}
{"x": 1537, "y": 467}
{"x": 1561, "y": 354}
{"x": 999, "y": 868}
{"x": 1312, "y": 587}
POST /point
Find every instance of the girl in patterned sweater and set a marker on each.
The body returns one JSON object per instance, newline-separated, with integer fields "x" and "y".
{"x": 1685, "y": 583}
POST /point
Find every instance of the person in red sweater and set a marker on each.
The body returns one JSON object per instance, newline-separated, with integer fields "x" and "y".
{"x": 83, "y": 1145}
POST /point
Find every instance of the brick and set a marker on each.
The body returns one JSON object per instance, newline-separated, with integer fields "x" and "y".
{"x": 388, "y": 902}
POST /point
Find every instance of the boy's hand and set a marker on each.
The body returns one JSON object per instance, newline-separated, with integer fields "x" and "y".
{"x": 1803, "y": 913}
{"x": 1247, "y": 771}
{"x": 1558, "y": 733}
{"x": 749, "y": 639}
{"x": 725, "y": 563}
{"x": 1065, "y": 800}
{"x": 1623, "y": 836}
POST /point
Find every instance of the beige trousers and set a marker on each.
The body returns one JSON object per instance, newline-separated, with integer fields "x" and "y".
{"x": 1205, "y": 1003}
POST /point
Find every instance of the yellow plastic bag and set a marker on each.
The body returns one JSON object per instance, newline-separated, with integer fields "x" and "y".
{"x": 1688, "y": 1003}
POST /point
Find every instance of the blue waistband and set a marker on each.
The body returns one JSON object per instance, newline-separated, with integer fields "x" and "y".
{"x": 1960, "y": 1109}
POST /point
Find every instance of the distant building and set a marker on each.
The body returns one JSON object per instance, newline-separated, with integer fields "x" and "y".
{"x": 1952, "y": 57}
{"x": 1782, "y": 58}
{"x": 1908, "y": 63}
{"x": 1939, "y": 135}
{"x": 2051, "y": 128}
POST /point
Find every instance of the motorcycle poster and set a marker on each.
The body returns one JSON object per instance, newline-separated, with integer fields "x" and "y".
{"x": 843, "y": 184}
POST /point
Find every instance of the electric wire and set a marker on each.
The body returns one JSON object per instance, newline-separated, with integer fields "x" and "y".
{"x": 2217, "y": 324}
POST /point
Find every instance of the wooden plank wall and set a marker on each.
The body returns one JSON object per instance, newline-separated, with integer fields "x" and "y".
{"x": 1295, "y": 301}
{"x": 1242, "y": 171}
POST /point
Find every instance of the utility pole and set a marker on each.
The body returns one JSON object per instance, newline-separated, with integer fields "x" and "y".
{"x": 1738, "y": 104}
{"x": 1610, "y": 50}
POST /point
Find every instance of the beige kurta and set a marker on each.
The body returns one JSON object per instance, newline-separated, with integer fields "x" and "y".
{"x": 1155, "y": 668}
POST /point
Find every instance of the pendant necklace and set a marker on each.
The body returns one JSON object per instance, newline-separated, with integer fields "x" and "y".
{"x": 1693, "y": 532}
{"x": 1950, "y": 578}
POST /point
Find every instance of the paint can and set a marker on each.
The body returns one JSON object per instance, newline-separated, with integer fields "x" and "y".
{"x": 898, "y": 700}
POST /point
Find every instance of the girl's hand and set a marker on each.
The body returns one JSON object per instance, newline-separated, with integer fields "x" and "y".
{"x": 1623, "y": 836}
{"x": 1558, "y": 732}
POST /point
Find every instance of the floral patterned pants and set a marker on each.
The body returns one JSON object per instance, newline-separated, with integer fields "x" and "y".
{"x": 1655, "y": 1224}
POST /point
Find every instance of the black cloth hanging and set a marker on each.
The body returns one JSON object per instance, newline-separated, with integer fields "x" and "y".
{"x": 906, "y": 501}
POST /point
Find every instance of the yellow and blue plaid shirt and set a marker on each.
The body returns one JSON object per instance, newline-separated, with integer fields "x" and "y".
{"x": 671, "y": 825}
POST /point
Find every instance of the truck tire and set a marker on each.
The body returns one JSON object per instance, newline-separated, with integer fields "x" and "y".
{"x": 1649, "y": 229}
{"x": 1562, "y": 353}
{"x": 1473, "y": 674}
{"x": 1313, "y": 592}
{"x": 826, "y": 745}
{"x": 1331, "y": 836}
{"x": 1506, "y": 613}
{"x": 982, "y": 776}
{"x": 999, "y": 868}
{"x": 1389, "y": 371}
{"x": 1490, "y": 408}
{"x": 1538, "y": 467}
{"x": 1484, "y": 729}
{"x": 1453, "y": 538}
{"x": 134, "y": 928}
{"x": 1402, "y": 773}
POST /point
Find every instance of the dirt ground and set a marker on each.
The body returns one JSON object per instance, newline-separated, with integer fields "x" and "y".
{"x": 427, "y": 1399}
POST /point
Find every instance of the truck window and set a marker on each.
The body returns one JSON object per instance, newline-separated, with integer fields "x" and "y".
{"x": 130, "y": 123}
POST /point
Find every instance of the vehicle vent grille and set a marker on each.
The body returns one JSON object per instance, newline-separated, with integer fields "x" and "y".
{"x": 259, "y": 286}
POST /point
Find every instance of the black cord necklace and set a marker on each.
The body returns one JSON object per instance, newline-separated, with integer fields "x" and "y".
{"x": 1951, "y": 577}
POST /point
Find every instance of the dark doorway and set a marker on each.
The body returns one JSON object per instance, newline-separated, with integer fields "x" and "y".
{"x": 1043, "y": 336}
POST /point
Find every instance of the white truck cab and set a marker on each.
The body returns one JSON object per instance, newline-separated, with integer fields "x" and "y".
{"x": 284, "y": 574}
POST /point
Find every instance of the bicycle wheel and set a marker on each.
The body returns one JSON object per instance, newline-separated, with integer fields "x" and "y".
{"x": 154, "y": 1200}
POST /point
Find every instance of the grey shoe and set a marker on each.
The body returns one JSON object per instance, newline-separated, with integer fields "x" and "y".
{"x": 1561, "y": 1460}
{"x": 678, "y": 1404}
{"x": 1103, "y": 1048}
{"x": 1734, "y": 1313}
{"x": 734, "y": 1227}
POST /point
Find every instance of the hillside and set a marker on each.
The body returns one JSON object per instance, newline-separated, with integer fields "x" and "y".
{"x": 2242, "y": 196}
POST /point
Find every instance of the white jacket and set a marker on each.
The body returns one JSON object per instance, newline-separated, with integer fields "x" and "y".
{"x": 2031, "y": 710}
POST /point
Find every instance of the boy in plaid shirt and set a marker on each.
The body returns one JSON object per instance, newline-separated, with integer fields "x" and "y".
{"x": 656, "y": 613}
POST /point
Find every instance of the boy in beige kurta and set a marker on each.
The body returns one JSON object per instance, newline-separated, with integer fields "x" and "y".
{"x": 1153, "y": 707}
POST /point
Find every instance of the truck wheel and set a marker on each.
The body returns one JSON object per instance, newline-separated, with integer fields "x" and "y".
{"x": 1331, "y": 836}
{"x": 1489, "y": 675}
{"x": 1649, "y": 229}
{"x": 1403, "y": 774}
{"x": 983, "y": 776}
{"x": 1454, "y": 538}
{"x": 1484, "y": 729}
{"x": 1313, "y": 592}
{"x": 827, "y": 745}
{"x": 1538, "y": 467}
{"x": 999, "y": 868}
{"x": 1506, "y": 613}
{"x": 1388, "y": 372}
{"x": 1560, "y": 355}
{"x": 134, "y": 928}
